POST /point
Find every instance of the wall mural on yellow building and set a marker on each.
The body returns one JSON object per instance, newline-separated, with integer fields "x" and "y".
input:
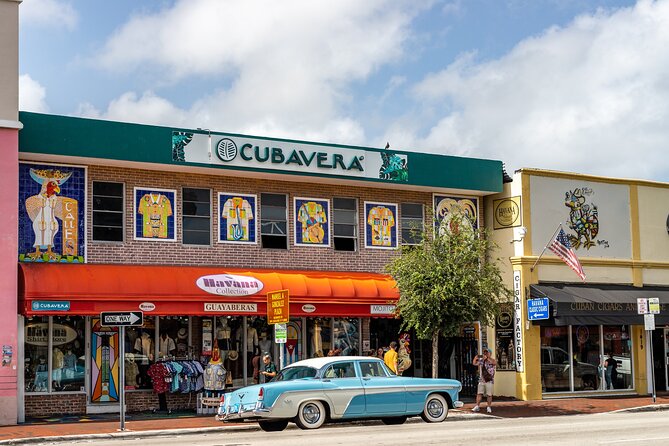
{"x": 583, "y": 219}
{"x": 155, "y": 214}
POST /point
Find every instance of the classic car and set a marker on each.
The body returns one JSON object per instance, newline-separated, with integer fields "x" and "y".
{"x": 312, "y": 391}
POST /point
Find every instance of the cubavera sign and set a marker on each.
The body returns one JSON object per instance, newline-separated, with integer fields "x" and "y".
{"x": 292, "y": 156}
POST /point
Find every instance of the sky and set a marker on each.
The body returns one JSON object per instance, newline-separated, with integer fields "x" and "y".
{"x": 570, "y": 85}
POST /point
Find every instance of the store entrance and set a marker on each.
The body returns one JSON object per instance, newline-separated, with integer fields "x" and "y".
{"x": 661, "y": 358}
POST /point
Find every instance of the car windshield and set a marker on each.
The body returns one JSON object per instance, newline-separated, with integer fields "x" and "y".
{"x": 298, "y": 372}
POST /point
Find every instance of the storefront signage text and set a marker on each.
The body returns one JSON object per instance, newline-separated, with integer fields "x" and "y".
{"x": 382, "y": 309}
{"x": 518, "y": 321}
{"x": 229, "y": 285}
{"x": 506, "y": 213}
{"x": 277, "y": 307}
{"x": 51, "y": 305}
{"x": 230, "y": 307}
{"x": 38, "y": 334}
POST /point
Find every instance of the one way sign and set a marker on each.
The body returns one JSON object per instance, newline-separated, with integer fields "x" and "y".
{"x": 121, "y": 318}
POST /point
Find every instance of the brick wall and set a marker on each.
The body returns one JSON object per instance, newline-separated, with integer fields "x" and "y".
{"x": 234, "y": 255}
{"x": 55, "y": 404}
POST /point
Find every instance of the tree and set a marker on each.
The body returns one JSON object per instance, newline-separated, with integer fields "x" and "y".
{"x": 447, "y": 280}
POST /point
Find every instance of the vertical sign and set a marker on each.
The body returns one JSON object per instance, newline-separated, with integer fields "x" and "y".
{"x": 277, "y": 307}
{"x": 281, "y": 334}
{"x": 642, "y": 305}
{"x": 518, "y": 321}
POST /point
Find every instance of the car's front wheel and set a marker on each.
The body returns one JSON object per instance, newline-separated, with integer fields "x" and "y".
{"x": 394, "y": 420}
{"x": 310, "y": 415}
{"x": 435, "y": 409}
{"x": 273, "y": 426}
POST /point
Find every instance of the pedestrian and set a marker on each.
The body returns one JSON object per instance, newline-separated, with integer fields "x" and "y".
{"x": 268, "y": 370}
{"x": 611, "y": 371}
{"x": 379, "y": 353}
{"x": 390, "y": 358}
{"x": 486, "y": 365}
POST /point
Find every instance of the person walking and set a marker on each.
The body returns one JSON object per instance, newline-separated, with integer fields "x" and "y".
{"x": 486, "y": 365}
{"x": 268, "y": 369}
{"x": 390, "y": 358}
{"x": 611, "y": 371}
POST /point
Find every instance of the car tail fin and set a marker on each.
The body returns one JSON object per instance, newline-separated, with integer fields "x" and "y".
{"x": 222, "y": 399}
{"x": 261, "y": 394}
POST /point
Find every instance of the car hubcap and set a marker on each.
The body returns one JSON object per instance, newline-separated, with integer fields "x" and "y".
{"x": 435, "y": 409}
{"x": 311, "y": 413}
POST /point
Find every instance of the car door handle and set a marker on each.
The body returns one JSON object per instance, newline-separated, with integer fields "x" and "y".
{"x": 326, "y": 380}
{"x": 366, "y": 379}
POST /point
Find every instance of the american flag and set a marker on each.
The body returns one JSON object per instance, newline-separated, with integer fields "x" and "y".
{"x": 562, "y": 248}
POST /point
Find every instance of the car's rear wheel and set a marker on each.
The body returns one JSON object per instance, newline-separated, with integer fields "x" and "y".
{"x": 393, "y": 420}
{"x": 273, "y": 426}
{"x": 435, "y": 409}
{"x": 310, "y": 415}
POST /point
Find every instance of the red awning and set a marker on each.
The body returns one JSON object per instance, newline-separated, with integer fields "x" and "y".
{"x": 179, "y": 290}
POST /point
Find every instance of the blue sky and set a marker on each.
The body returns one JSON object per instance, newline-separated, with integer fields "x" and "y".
{"x": 568, "y": 85}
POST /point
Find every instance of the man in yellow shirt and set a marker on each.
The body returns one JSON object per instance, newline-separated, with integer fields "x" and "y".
{"x": 390, "y": 358}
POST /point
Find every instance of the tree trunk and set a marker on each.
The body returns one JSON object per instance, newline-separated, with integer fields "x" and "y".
{"x": 435, "y": 354}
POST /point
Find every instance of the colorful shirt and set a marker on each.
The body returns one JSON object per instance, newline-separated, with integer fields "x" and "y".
{"x": 312, "y": 216}
{"x": 155, "y": 210}
{"x": 382, "y": 220}
{"x": 490, "y": 367}
{"x": 237, "y": 212}
{"x": 390, "y": 358}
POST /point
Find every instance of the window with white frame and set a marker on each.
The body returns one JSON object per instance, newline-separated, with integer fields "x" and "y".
{"x": 411, "y": 223}
{"x": 345, "y": 219}
{"x": 108, "y": 205}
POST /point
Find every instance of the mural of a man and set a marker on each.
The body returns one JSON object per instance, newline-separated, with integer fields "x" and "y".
{"x": 44, "y": 209}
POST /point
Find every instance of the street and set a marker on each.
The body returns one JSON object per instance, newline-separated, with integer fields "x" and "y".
{"x": 642, "y": 428}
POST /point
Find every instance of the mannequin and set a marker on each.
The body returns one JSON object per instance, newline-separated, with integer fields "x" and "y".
{"x": 182, "y": 342}
{"x": 58, "y": 361}
{"x": 131, "y": 370}
{"x": 144, "y": 346}
{"x": 316, "y": 340}
{"x": 70, "y": 362}
{"x": 41, "y": 371}
{"x": 215, "y": 373}
{"x": 224, "y": 338}
{"x": 251, "y": 338}
{"x": 167, "y": 346}
{"x": 264, "y": 343}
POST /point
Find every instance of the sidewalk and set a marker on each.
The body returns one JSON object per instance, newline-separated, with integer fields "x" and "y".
{"x": 188, "y": 424}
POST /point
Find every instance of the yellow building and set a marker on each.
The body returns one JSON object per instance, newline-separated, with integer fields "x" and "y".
{"x": 593, "y": 341}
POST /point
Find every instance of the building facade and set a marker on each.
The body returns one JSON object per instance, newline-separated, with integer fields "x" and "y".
{"x": 195, "y": 228}
{"x": 593, "y": 340}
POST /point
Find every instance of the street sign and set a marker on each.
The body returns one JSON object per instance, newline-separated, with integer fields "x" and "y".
{"x": 642, "y": 305}
{"x": 654, "y": 305}
{"x": 649, "y": 321}
{"x": 537, "y": 309}
{"x": 277, "y": 307}
{"x": 121, "y": 318}
{"x": 280, "y": 333}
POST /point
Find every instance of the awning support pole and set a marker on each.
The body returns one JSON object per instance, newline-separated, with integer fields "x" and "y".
{"x": 546, "y": 246}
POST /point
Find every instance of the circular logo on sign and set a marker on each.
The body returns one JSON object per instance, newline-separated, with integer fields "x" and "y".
{"x": 507, "y": 212}
{"x": 504, "y": 320}
{"x": 226, "y": 150}
{"x": 308, "y": 308}
{"x": 147, "y": 306}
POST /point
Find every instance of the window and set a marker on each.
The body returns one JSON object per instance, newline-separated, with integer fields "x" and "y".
{"x": 196, "y": 216}
{"x": 345, "y": 218}
{"x": 372, "y": 369}
{"x": 411, "y": 222}
{"x": 346, "y": 336}
{"x": 108, "y": 211}
{"x": 54, "y": 354}
{"x": 273, "y": 221}
{"x": 340, "y": 370}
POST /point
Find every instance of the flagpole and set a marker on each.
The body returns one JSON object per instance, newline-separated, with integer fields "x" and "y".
{"x": 546, "y": 246}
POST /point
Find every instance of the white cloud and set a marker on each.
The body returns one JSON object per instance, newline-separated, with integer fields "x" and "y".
{"x": 282, "y": 66}
{"x": 48, "y": 13}
{"x": 590, "y": 97}
{"x": 32, "y": 95}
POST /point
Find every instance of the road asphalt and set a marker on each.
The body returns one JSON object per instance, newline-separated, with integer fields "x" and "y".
{"x": 109, "y": 428}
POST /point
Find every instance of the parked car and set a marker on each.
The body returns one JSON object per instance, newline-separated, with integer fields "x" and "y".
{"x": 313, "y": 391}
{"x": 555, "y": 370}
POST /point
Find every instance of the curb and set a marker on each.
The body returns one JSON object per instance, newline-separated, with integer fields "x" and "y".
{"x": 649, "y": 408}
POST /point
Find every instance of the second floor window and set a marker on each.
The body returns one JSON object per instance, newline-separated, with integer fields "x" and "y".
{"x": 108, "y": 211}
{"x": 345, "y": 219}
{"x": 411, "y": 222}
{"x": 196, "y": 216}
{"x": 274, "y": 221}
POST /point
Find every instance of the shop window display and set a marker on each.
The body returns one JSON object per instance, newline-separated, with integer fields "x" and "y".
{"x": 617, "y": 346}
{"x": 346, "y": 337}
{"x": 140, "y": 353}
{"x": 586, "y": 356}
{"x": 65, "y": 337}
{"x": 555, "y": 362}
{"x": 319, "y": 331}
{"x": 229, "y": 338}
{"x": 173, "y": 337}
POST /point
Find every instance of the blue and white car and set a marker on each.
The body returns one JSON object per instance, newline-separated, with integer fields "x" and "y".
{"x": 313, "y": 391}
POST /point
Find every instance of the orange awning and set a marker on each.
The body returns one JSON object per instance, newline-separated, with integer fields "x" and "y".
{"x": 178, "y": 290}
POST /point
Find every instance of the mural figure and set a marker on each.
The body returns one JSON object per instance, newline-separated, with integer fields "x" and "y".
{"x": 393, "y": 167}
{"x": 382, "y": 220}
{"x": 312, "y": 215}
{"x": 446, "y": 208}
{"x": 155, "y": 209}
{"x": 44, "y": 209}
{"x": 403, "y": 358}
{"x": 237, "y": 212}
{"x": 179, "y": 142}
{"x": 583, "y": 219}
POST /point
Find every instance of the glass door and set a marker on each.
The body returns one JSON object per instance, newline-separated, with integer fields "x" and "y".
{"x": 104, "y": 363}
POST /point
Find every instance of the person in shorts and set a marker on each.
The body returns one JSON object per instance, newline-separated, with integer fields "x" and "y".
{"x": 486, "y": 365}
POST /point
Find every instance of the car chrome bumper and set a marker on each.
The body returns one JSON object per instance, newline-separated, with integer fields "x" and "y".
{"x": 243, "y": 414}
{"x": 458, "y": 404}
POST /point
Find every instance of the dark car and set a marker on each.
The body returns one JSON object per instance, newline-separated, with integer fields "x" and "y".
{"x": 556, "y": 368}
